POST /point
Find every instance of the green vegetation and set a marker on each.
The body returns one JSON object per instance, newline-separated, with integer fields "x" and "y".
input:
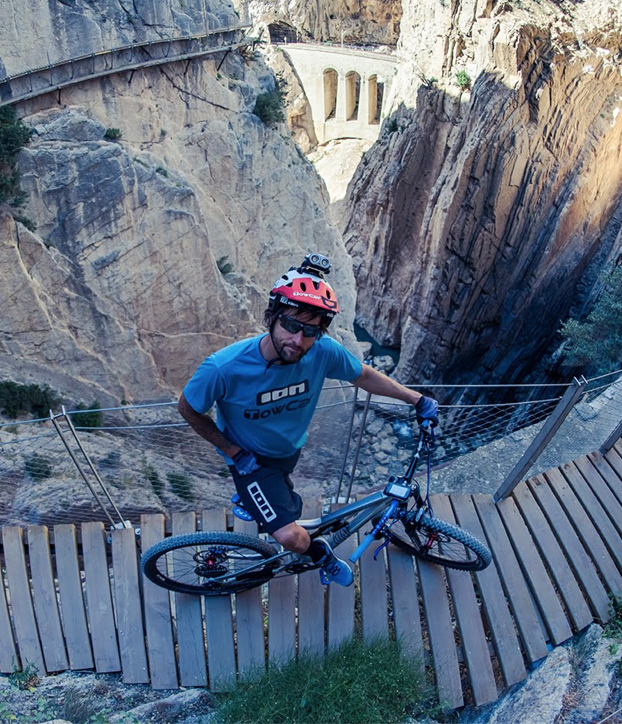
{"x": 463, "y": 79}
{"x": 153, "y": 478}
{"x": 37, "y": 467}
{"x": 113, "y": 134}
{"x": 224, "y": 265}
{"x": 392, "y": 126}
{"x": 180, "y": 485}
{"x": 25, "y": 221}
{"x": 269, "y": 106}
{"x": 596, "y": 344}
{"x": 88, "y": 417}
{"x": 358, "y": 682}
{"x": 14, "y": 135}
{"x": 613, "y": 629}
{"x": 26, "y": 678}
{"x": 17, "y": 399}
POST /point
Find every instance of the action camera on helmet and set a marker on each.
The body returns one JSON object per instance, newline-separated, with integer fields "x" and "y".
{"x": 316, "y": 264}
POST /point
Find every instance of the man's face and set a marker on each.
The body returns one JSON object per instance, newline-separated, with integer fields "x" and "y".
{"x": 292, "y": 347}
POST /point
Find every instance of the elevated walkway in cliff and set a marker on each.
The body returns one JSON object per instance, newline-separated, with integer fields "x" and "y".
{"x": 56, "y": 76}
{"x": 74, "y": 597}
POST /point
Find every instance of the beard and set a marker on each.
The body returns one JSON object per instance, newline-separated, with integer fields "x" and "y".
{"x": 288, "y": 353}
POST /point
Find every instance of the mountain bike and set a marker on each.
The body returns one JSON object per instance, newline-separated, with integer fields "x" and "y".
{"x": 222, "y": 562}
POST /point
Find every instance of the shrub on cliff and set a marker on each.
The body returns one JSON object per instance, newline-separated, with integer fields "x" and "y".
{"x": 596, "y": 343}
{"x": 14, "y": 135}
{"x": 463, "y": 79}
{"x": 17, "y": 399}
{"x": 89, "y": 418}
{"x": 269, "y": 106}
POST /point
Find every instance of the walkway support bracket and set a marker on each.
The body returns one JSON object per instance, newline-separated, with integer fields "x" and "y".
{"x": 542, "y": 439}
{"x": 611, "y": 440}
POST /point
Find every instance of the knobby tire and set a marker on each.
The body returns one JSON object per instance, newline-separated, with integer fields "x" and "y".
{"x": 198, "y": 557}
{"x": 438, "y": 541}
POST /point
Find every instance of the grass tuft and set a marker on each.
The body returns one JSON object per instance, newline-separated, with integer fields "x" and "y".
{"x": 358, "y": 682}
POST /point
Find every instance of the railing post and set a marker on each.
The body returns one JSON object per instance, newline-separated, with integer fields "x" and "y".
{"x": 358, "y": 444}
{"x": 542, "y": 439}
{"x": 345, "y": 455}
{"x": 611, "y": 440}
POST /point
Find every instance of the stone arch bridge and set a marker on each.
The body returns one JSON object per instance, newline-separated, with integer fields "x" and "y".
{"x": 348, "y": 89}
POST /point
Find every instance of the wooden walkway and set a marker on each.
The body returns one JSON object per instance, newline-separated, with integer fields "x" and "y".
{"x": 71, "y": 600}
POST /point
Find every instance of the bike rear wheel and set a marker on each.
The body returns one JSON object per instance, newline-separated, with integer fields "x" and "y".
{"x": 438, "y": 541}
{"x": 209, "y": 564}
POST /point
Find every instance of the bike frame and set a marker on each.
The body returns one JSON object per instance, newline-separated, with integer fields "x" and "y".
{"x": 375, "y": 505}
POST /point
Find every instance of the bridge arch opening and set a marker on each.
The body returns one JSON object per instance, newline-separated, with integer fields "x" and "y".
{"x": 375, "y": 96}
{"x": 330, "y": 93}
{"x": 353, "y": 89}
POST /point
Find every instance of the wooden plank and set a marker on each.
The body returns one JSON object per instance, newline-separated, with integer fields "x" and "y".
{"x": 8, "y": 652}
{"x": 495, "y": 605}
{"x": 71, "y": 596}
{"x": 45, "y": 599}
{"x": 282, "y": 619}
{"x": 614, "y": 458}
{"x": 341, "y": 600}
{"x": 586, "y": 530}
{"x": 574, "y": 549}
{"x": 219, "y": 623}
{"x": 607, "y": 472}
{"x": 535, "y": 572}
{"x": 190, "y": 635}
{"x": 158, "y": 618}
{"x": 374, "y": 600}
{"x": 599, "y": 486}
{"x": 441, "y": 634}
{"x": 405, "y": 599}
{"x": 99, "y": 599}
{"x": 594, "y": 509}
{"x": 516, "y": 588}
{"x": 250, "y": 637}
{"x": 27, "y": 637}
{"x": 466, "y": 607}
{"x": 311, "y": 604}
{"x": 127, "y": 594}
{"x": 551, "y": 551}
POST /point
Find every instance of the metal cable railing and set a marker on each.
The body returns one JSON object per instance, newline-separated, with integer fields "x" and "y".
{"x": 151, "y": 461}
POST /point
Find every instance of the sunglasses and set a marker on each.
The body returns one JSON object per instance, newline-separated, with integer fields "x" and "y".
{"x": 293, "y": 326}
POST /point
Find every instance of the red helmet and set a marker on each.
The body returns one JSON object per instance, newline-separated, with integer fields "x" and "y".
{"x": 305, "y": 286}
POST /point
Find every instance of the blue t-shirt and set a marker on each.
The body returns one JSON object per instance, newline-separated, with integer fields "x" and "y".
{"x": 267, "y": 409}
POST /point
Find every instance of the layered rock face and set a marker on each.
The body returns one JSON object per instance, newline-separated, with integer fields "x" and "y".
{"x": 124, "y": 287}
{"x": 480, "y": 217}
{"x": 39, "y": 32}
{"x": 367, "y": 22}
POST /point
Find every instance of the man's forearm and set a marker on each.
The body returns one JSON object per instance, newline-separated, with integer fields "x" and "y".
{"x": 375, "y": 382}
{"x": 206, "y": 428}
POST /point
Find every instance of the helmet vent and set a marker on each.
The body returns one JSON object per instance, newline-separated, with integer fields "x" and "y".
{"x": 316, "y": 285}
{"x": 303, "y": 286}
{"x": 328, "y": 293}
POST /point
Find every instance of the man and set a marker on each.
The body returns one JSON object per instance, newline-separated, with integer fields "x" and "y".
{"x": 266, "y": 389}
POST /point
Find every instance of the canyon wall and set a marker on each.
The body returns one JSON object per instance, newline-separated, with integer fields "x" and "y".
{"x": 152, "y": 251}
{"x": 483, "y": 215}
{"x": 367, "y": 22}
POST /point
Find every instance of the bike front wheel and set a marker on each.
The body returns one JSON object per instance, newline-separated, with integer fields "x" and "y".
{"x": 438, "y": 541}
{"x": 209, "y": 564}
